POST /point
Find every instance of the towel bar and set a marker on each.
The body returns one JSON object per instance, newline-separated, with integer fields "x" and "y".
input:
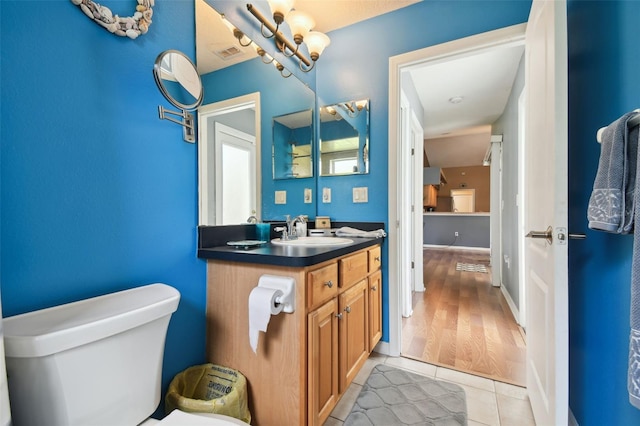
{"x": 635, "y": 121}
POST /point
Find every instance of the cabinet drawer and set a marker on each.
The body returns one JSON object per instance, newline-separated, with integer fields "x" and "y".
{"x": 322, "y": 284}
{"x": 375, "y": 259}
{"x": 353, "y": 269}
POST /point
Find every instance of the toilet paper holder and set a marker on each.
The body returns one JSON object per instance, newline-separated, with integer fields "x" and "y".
{"x": 285, "y": 284}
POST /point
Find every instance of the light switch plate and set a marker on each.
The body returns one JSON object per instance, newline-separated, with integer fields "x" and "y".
{"x": 307, "y": 196}
{"x": 361, "y": 195}
{"x": 326, "y": 195}
{"x": 281, "y": 197}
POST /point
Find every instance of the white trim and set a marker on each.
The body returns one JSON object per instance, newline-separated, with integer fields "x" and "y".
{"x": 511, "y": 303}
{"x": 513, "y": 35}
{"x": 383, "y": 349}
{"x": 572, "y": 420}
{"x": 252, "y": 100}
{"x": 484, "y": 249}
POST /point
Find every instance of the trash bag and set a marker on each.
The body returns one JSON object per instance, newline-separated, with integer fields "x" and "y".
{"x": 209, "y": 388}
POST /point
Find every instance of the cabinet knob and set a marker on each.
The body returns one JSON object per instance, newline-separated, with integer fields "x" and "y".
{"x": 339, "y": 316}
{"x": 374, "y": 288}
{"x": 347, "y": 309}
{"x": 329, "y": 284}
{"x": 377, "y": 258}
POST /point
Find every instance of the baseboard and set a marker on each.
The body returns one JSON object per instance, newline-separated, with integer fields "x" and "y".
{"x": 488, "y": 250}
{"x": 382, "y": 348}
{"x": 514, "y": 309}
{"x": 572, "y": 419}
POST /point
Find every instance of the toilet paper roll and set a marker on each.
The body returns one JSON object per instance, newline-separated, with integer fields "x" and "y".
{"x": 262, "y": 304}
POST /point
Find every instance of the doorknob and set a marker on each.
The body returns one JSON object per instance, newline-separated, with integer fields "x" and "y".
{"x": 547, "y": 234}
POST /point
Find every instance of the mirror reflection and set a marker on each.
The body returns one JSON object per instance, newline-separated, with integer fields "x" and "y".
{"x": 292, "y": 145}
{"x": 275, "y": 96}
{"x": 178, "y": 80}
{"x": 344, "y": 138}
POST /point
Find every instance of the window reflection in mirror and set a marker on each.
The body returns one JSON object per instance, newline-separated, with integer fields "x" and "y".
{"x": 344, "y": 138}
{"x": 292, "y": 142}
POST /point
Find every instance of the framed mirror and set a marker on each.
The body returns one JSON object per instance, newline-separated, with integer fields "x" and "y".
{"x": 292, "y": 151}
{"x": 344, "y": 138}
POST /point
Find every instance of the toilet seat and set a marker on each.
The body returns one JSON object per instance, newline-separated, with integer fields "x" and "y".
{"x": 181, "y": 418}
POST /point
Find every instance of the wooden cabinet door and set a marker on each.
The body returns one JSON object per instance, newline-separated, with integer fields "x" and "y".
{"x": 429, "y": 196}
{"x": 354, "y": 331}
{"x": 322, "y": 370}
{"x": 375, "y": 309}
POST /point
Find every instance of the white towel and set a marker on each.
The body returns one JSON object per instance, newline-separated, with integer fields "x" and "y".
{"x": 346, "y": 231}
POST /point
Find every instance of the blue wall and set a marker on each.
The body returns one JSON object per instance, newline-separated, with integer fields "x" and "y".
{"x": 98, "y": 194}
{"x": 603, "y": 84}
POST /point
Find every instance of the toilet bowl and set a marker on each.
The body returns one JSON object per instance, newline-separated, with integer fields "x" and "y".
{"x": 180, "y": 418}
{"x": 97, "y": 361}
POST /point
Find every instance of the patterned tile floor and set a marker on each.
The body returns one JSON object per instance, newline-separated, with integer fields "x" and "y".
{"x": 489, "y": 403}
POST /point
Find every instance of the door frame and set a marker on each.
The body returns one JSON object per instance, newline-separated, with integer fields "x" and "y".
{"x": 512, "y": 35}
{"x": 206, "y": 150}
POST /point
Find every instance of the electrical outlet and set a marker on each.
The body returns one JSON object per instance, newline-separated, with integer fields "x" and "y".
{"x": 281, "y": 197}
{"x": 361, "y": 195}
{"x": 307, "y": 195}
{"x": 326, "y": 195}
{"x": 455, "y": 233}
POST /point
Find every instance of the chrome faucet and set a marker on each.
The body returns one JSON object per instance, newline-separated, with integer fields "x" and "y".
{"x": 289, "y": 231}
{"x": 252, "y": 219}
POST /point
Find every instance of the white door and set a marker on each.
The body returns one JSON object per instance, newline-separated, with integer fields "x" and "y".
{"x": 235, "y": 172}
{"x": 417, "y": 234}
{"x": 546, "y": 198}
{"x": 406, "y": 223}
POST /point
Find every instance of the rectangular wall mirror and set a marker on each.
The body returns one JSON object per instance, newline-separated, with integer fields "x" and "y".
{"x": 344, "y": 138}
{"x": 292, "y": 145}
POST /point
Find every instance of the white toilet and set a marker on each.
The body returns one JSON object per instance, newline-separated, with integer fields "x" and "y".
{"x": 94, "y": 362}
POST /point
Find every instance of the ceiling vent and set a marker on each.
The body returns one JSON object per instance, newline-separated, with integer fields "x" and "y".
{"x": 228, "y": 53}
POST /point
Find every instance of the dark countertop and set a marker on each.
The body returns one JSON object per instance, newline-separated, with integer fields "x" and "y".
{"x": 272, "y": 254}
{"x": 212, "y": 244}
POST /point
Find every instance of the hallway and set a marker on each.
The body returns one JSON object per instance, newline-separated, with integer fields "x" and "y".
{"x": 461, "y": 321}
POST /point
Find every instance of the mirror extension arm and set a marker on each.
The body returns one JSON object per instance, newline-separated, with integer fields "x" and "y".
{"x": 186, "y": 121}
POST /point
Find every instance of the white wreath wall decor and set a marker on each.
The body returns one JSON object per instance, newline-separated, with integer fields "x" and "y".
{"x": 130, "y": 26}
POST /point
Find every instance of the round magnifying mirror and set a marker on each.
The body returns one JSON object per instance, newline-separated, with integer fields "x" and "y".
{"x": 178, "y": 80}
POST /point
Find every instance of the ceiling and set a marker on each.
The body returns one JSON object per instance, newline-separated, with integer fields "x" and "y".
{"x": 456, "y": 134}
{"x": 213, "y": 36}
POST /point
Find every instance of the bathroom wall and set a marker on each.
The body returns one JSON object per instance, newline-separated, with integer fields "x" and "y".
{"x": 97, "y": 193}
{"x": 603, "y": 84}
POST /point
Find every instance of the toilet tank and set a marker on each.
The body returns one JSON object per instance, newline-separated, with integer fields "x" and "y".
{"x": 93, "y": 362}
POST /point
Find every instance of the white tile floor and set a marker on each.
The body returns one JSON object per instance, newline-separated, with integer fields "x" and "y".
{"x": 488, "y": 402}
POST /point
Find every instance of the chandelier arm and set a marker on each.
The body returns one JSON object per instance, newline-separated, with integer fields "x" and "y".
{"x": 278, "y": 35}
{"x": 303, "y": 69}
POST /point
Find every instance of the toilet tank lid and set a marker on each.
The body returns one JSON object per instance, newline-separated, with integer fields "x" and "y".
{"x": 52, "y": 330}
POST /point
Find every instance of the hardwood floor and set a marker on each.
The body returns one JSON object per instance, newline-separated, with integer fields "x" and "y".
{"x": 461, "y": 321}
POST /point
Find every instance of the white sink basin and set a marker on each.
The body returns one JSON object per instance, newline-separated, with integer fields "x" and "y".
{"x": 313, "y": 242}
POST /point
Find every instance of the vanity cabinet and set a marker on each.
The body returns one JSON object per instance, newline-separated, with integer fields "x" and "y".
{"x": 306, "y": 359}
{"x": 357, "y": 318}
